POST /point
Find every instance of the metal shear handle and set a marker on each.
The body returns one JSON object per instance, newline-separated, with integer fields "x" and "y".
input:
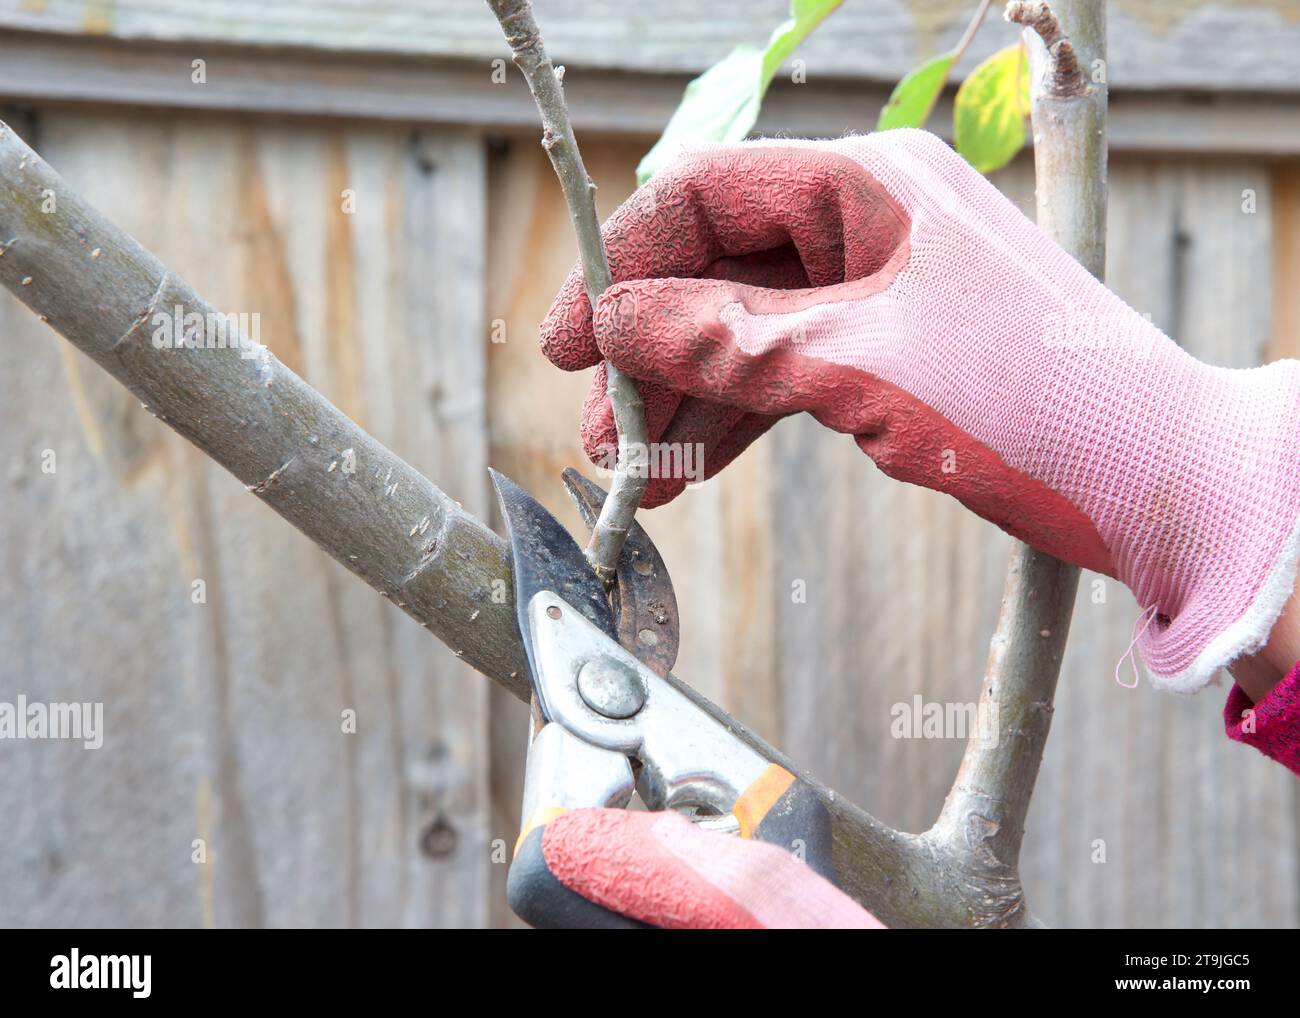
{"x": 599, "y": 692}
{"x": 609, "y": 719}
{"x": 606, "y": 706}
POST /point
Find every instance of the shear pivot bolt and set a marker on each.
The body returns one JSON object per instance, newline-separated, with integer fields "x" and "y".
{"x": 610, "y": 688}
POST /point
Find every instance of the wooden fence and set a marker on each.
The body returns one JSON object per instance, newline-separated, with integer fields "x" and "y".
{"x": 228, "y": 651}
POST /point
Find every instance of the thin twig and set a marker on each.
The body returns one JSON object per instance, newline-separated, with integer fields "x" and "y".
{"x": 957, "y": 52}
{"x": 969, "y": 35}
{"x": 338, "y": 485}
{"x": 631, "y": 475}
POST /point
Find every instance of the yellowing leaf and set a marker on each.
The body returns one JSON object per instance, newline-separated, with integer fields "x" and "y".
{"x": 913, "y": 98}
{"x": 988, "y": 120}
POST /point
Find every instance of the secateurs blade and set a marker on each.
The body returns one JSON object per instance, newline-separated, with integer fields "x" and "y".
{"x": 611, "y": 720}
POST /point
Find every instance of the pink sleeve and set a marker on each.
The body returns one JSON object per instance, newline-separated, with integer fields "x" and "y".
{"x": 1272, "y": 726}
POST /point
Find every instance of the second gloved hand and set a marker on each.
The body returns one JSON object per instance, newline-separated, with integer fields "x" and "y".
{"x": 660, "y": 869}
{"x": 887, "y": 288}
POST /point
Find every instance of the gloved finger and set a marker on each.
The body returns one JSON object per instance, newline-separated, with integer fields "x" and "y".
{"x": 600, "y": 436}
{"x": 662, "y": 405}
{"x": 779, "y": 269}
{"x": 660, "y": 868}
{"x": 759, "y": 203}
{"x": 715, "y": 340}
{"x": 741, "y": 436}
{"x": 704, "y": 436}
{"x": 600, "y": 439}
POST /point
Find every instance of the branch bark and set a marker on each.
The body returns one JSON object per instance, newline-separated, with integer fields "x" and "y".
{"x": 544, "y": 81}
{"x": 291, "y": 447}
{"x": 388, "y": 524}
{"x": 981, "y": 826}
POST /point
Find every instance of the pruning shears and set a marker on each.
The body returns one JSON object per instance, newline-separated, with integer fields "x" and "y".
{"x": 609, "y": 719}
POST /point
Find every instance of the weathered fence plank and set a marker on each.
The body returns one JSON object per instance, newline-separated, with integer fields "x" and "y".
{"x": 223, "y": 718}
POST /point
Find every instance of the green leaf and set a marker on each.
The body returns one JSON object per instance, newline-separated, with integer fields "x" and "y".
{"x": 723, "y": 102}
{"x": 913, "y": 98}
{"x": 805, "y": 15}
{"x": 988, "y": 120}
{"x": 720, "y": 105}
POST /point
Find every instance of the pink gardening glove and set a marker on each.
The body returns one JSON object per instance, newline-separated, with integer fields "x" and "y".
{"x": 659, "y": 868}
{"x": 884, "y": 286}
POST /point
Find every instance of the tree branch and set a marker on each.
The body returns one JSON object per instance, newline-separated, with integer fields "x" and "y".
{"x": 94, "y": 284}
{"x": 544, "y": 81}
{"x": 981, "y": 826}
{"x": 290, "y": 446}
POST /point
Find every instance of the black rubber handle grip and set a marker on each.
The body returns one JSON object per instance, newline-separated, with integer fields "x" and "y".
{"x": 785, "y": 811}
{"x": 538, "y": 898}
{"x": 779, "y": 808}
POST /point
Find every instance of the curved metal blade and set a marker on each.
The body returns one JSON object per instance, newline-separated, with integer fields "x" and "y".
{"x": 646, "y": 607}
{"x": 545, "y": 557}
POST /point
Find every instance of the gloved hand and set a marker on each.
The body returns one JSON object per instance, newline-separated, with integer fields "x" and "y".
{"x": 660, "y": 869}
{"x": 884, "y": 286}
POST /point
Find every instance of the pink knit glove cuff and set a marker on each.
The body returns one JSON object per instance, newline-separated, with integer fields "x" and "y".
{"x": 1272, "y": 726}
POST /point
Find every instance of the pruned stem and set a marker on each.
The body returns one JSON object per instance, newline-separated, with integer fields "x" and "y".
{"x": 631, "y": 474}
{"x": 1064, "y": 75}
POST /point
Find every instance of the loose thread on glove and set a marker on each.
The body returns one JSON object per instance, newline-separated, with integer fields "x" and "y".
{"x": 1148, "y": 614}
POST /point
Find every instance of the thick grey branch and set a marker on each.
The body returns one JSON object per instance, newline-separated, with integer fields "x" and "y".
{"x": 397, "y": 531}
{"x": 631, "y": 477}
{"x": 289, "y": 445}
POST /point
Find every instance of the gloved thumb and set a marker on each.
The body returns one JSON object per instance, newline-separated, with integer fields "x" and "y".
{"x": 670, "y": 331}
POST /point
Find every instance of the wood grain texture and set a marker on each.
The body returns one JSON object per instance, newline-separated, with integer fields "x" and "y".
{"x": 324, "y": 83}
{"x": 1200, "y": 833}
{"x": 1285, "y": 219}
{"x": 224, "y": 719}
{"x": 249, "y": 412}
{"x": 716, "y": 533}
{"x": 1155, "y": 43}
{"x": 902, "y": 584}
